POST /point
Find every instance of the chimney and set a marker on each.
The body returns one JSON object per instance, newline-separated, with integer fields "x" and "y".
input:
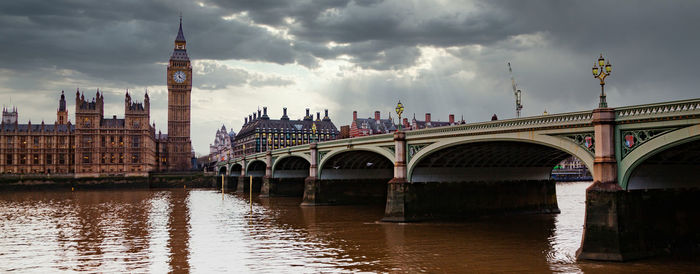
{"x": 318, "y": 116}
{"x": 452, "y": 119}
{"x": 259, "y": 116}
{"x": 114, "y": 117}
{"x": 427, "y": 118}
{"x": 494, "y": 117}
{"x": 325, "y": 111}
{"x": 377, "y": 115}
{"x": 284, "y": 115}
{"x": 254, "y": 115}
{"x": 246, "y": 121}
{"x": 308, "y": 116}
{"x": 250, "y": 118}
{"x": 264, "y": 111}
{"x": 354, "y": 115}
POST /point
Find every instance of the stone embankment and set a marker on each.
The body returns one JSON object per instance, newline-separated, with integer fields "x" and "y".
{"x": 161, "y": 180}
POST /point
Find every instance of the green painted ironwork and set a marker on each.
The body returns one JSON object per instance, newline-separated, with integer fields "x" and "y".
{"x": 639, "y": 137}
{"x": 413, "y": 149}
{"x": 391, "y": 148}
{"x": 321, "y": 154}
{"x": 580, "y": 140}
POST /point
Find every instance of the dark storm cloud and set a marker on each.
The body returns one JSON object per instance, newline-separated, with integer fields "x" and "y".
{"x": 214, "y": 76}
{"x": 49, "y": 45}
{"x": 95, "y": 37}
{"x": 124, "y": 41}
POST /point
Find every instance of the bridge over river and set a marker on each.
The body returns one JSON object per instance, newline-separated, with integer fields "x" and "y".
{"x": 645, "y": 162}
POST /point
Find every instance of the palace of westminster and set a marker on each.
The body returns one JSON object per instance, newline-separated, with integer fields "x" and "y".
{"x": 95, "y": 145}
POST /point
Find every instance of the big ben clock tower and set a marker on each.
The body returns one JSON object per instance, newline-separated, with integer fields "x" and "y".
{"x": 179, "y": 89}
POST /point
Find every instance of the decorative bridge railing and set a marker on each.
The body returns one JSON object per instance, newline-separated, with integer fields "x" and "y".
{"x": 550, "y": 120}
{"x": 658, "y": 110}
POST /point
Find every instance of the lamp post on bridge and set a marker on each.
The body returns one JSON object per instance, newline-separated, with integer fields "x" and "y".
{"x": 399, "y": 110}
{"x": 601, "y": 70}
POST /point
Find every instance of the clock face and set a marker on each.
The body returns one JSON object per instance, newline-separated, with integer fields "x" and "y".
{"x": 179, "y": 76}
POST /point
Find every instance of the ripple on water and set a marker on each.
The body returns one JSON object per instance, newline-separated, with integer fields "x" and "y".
{"x": 201, "y": 231}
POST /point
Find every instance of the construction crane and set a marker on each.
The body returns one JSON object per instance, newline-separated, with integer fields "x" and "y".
{"x": 517, "y": 93}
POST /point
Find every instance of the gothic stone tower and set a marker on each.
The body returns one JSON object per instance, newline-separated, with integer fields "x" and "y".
{"x": 62, "y": 112}
{"x": 179, "y": 76}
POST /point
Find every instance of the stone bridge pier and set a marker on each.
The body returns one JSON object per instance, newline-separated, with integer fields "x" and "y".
{"x": 645, "y": 203}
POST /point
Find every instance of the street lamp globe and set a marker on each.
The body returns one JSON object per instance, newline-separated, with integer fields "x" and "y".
{"x": 601, "y": 70}
{"x": 399, "y": 110}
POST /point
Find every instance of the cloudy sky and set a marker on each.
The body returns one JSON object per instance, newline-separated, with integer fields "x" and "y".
{"x": 435, "y": 56}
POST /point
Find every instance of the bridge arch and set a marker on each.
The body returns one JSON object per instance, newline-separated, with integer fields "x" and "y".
{"x": 291, "y": 165}
{"x": 235, "y": 169}
{"x": 380, "y": 154}
{"x": 256, "y": 168}
{"x": 684, "y": 139}
{"x": 557, "y": 144}
{"x": 222, "y": 170}
{"x": 351, "y": 176}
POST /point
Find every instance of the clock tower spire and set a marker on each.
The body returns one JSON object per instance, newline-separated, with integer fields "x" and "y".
{"x": 179, "y": 79}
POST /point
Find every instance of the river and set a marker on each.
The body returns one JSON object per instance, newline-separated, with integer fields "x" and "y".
{"x": 204, "y": 231}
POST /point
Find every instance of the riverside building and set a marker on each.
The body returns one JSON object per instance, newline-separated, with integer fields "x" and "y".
{"x": 260, "y": 133}
{"x": 96, "y": 145}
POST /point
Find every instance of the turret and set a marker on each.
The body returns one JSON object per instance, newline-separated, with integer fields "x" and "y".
{"x": 9, "y": 117}
{"x": 147, "y": 102}
{"x": 100, "y": 103}
{"x": 62, "y": 112}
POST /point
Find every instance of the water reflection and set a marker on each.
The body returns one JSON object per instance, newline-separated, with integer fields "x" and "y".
{"x": 182, "y": 230}
{"x": 178, "y": 231}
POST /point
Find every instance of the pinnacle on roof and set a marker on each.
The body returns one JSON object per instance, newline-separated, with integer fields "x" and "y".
{"x": 180, "y": 37}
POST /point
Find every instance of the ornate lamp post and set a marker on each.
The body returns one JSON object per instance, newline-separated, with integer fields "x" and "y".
{"x": 399, "y": 110}
{"x": 601, "y": 70}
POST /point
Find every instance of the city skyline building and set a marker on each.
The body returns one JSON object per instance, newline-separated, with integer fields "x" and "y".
{"x": 260, "y": 133}
{"x": 96, "y": 145}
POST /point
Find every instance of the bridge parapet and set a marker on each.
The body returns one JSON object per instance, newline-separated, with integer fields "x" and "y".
{"x": 658, "y": 111}
{"x": 571, "y": 119}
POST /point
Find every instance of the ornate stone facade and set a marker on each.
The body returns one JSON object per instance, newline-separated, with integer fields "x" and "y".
{"x": 260, "y": 133}
{"x": 93, "y": 146}
{"x": 221, "y": 149}
{"x": 111, "y": 146}
{"x": 99, "y": 146}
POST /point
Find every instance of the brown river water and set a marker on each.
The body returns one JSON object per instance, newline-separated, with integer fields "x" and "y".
{"x": 205, "y": 231}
